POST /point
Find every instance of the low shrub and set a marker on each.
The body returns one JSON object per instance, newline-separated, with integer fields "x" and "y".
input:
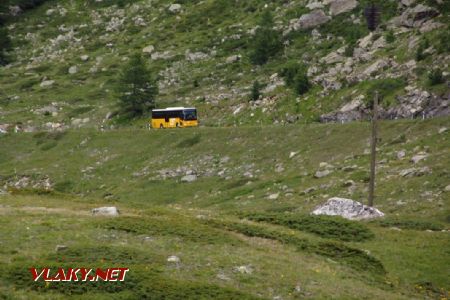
{"x": 323, "y": 226}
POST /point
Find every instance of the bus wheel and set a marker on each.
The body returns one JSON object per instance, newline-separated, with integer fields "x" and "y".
{"x": 161, "y": 126}
{"x": 177, "y": 125}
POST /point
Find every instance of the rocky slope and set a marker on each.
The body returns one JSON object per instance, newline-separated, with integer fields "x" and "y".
{"x": 67, "y": 55}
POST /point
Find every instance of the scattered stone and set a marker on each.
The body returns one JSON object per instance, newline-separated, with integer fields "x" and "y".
{"x": 292, "y": 154}
{"x": 407, "y": 2}
{"x": 348, "y": 209}
{"x": 418, "y": 157}
{"x": 447, "y": 188}
{"x": 341, "y": 6}
{"x": 349, "y": 183}
{"x": 73, "y": 70}
{"x": 415, "y": 172}
{"x": 59, "y": 248}
{"x": 189, "y": 178}
{"x": 173, "y": 259}
{"x": 84, "y": 58}
{"x": 309, "y": 190}
{"x": 47, "y": 83}
{"x": 273, "y": 196}
{"x": 224, "y": 277}
{"x": 395, "y": 228}
{"x": 244, "y": 269}
{"x": 320, "y": 174}
{"x": 232, "y": 59}
{"x": 148, "y": 49}
{"x": 401, "y": 154}
{"x": 349, "y": 168}
{"x": 442, "y": 130}
{"x": 106, "y": 211}
{"x": 175, "y": 8}
{"x": 195, "y": 56}
{"x": 15, "y": 10}
{"x": 279, "y": 168}
{"x": 315, "y": 18}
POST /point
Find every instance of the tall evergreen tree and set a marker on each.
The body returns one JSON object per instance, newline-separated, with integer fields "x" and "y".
{"x": 5, "y": 45}
{"x": 137, "y": 88}
{"x": 267, "y": 42}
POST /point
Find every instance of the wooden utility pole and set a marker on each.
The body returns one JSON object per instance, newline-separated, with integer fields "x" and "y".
{"x": 373, "y": 146}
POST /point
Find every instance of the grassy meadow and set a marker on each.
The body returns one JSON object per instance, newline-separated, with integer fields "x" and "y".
{"x": 242, "y": 230}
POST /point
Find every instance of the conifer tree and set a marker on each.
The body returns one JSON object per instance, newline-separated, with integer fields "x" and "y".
{"x": 137, "y": 88}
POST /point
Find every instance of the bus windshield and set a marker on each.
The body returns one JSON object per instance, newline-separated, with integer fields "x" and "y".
{"x": 190, "y": 114}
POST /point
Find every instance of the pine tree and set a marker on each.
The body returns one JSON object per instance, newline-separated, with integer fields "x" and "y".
{"x": 137, "y": 88}
{"x": 256, "y": 90}
{"x": 301, "y": 82}
{"x": 5, "y": 45}
{"x": 267, "y": 42}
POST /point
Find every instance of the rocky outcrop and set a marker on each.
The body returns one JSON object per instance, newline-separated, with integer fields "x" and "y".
{"x": 419, "y": 103}
{"x": 348, "y": 209}
{"x": 315, "y": 18}
{"x": 111, "y": 211}
{"x": 341, "y": 6}
{"x": 415, "y": 17}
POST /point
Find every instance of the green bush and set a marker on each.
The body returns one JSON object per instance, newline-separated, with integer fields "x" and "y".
{"x": 353, "y": 258}
{"x": 185, "y": 229}
{"x": 190, "y": 141}
{"x": 420, "y": 52}
{"x": 390, "y": 37}
{"x": 295, "y": 76}
{"x": 267, "y": 42}
{"x": 410, "y": 224}
{"x": 323, "y": 226}
{"x": 435, "y": 77}
{"x": 386, "y": 89}
{"x": 256, "y": 91}
{"x": 444, "y": 42}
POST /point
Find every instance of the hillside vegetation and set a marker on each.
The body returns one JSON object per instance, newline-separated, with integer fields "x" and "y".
{"x": 239, "y": 221}
{"x": 66, "y": 57}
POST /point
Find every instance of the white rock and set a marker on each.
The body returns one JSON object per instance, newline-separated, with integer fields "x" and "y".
{"x": 320, "y": 174}
{"x": 447, "y": 188}
{"x": 442, "y": 130}
{"x": 106, "y": 211}
{"x": 341, "y": 6}
{"x": 313, "y": 19}
{"x": 84, "y": 57}
{"x": 15, "y": 10}
{"x": 47, "y": 83}
{"x": 356, "y": 103}
{"x": 401, "y": 154}
{"x": 244, "y": 269}
{"x": 420, "y": 156}
{"x": 175, "y": 8}
{"x": 233, "y": 58}
{"x": 173, "y": 259}
{"x": 292, "y": 154}
{"x": 274, "y": 196}
{"x": 61, "y": 248}
{"x": 73, "y": 70}
{"x": 148, "y": 49}
{"x": 189, "y": 178}
{"x": 348, "y": 209}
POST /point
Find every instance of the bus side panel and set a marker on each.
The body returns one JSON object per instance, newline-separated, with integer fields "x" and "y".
{"x": 156, "y": 123}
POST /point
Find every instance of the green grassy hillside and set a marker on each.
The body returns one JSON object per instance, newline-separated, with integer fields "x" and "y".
{"x": 241, "y": 228}
{"x": 201, "y": 54}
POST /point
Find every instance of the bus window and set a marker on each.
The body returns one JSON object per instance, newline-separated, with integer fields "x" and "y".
{"x": 190, "y": 114}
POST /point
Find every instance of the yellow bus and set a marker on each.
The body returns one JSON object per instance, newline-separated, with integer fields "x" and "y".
{"x": 173, "y": 117}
